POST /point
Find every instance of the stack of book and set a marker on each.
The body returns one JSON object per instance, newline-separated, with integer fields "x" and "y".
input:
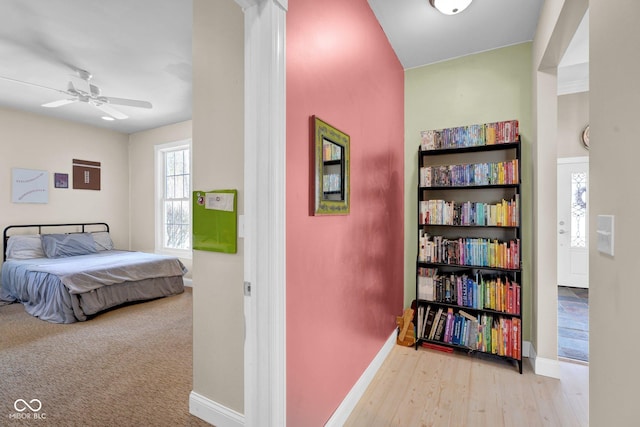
{"x": 441, "y": 212}
{"x": 485, "y": 332}
{"x": 331, "y": 182}
{"x": 331, "y": 151}
{"x": 464, "y": 175}
{"x": 478, "y": 291}
{"x": 470, "y": 136}
{"x": 478, "y": 252}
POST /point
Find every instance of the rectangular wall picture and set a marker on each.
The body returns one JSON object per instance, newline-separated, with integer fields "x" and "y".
{"x": 61, "y": 180}
{"x": 86, "y": 175}
{"x": 29, "y": 186}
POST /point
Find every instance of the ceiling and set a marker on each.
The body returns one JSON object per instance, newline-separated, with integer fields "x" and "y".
{"x": 421, "y": 35}
{"x": 141, "y": 49}
{"x": 573, "y": 70}
{"x": 135, "y": 49}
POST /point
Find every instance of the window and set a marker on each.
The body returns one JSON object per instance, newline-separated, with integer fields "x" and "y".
{"x": 173, "y": 208}
{"x": 578, "y": 210}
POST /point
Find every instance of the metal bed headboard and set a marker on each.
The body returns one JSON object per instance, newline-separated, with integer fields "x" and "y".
{"x": 83, "y": 227}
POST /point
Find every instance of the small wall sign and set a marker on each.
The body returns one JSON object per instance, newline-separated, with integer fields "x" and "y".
{"x": 86, "y": 175}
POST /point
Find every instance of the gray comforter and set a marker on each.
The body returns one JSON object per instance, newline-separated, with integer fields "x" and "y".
{"x": 65, "y": 290}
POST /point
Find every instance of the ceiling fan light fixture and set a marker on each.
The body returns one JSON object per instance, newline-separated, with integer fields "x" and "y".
{"x": 450, "y": 7}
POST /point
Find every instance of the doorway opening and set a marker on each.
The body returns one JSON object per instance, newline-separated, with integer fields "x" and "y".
{"x": 573, "y": 323}
{"x": 573, "y": 259}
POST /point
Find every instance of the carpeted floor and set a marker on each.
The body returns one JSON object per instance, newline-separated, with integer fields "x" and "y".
{"x": 573, "y": 323}
{"x": 131, "y": 366}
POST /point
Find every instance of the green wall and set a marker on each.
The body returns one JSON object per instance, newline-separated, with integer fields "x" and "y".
{"x": 482, "y": 88}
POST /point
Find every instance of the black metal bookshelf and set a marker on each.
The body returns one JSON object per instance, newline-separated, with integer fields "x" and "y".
{"x": 509, "y": 347}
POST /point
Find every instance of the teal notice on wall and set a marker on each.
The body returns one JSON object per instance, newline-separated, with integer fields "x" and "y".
{"x": 215, "y": 221}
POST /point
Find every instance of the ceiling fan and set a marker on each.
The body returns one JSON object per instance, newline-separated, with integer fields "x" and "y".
{"x": 80, "y": 89}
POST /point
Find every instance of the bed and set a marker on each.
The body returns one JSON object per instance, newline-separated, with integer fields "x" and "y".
{"x": 65, "y": 273}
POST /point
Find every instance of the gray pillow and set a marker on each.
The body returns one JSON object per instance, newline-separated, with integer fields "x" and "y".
{"x": 65, "y": 245}
{"x": 103, "y": 240}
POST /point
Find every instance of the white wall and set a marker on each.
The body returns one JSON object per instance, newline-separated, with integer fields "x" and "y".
{"x": 556, "y": 26}
{"x": 614, "y": 291}
{"x": 142, "y": 183}
{"x": 32, "y": 141}
{"x": 454, "y": 93}
{"x": 573, "y": 116}
{"x": 218, "y": 159}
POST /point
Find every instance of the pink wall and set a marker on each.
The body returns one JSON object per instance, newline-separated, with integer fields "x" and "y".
{"x": 344, "y": 273}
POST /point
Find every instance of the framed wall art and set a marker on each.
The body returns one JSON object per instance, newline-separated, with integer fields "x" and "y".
{"x": 331, "y": 183}
{"x": 86, "y": 175}
{"x": 29, "y": 186}
{"x": 61, "y": 180}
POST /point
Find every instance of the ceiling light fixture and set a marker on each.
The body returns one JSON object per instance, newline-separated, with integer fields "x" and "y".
{"x": 450, "y": 7}
{"x": 107, "y": 118}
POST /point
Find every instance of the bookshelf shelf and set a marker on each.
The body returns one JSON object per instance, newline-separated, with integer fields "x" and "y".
{"x": 477, "y": 310}
{"x": 471, "y": 149}
{"x": 468, "y": 271}
{"x": 464, "y": 349}
{"x": 467, "y": 266}
{"x": 469, "y": 226}
{"x": 470, "y": 187}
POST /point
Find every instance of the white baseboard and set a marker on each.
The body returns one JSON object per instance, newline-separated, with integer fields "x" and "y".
{"x": 526, "y": 348}
{"x": 341, "y": 414}
{"x": 214, "y": 413}
{"x": 543, "y": 366}
{"x": 547, "y": 367}
{"x": 187, "y": 282}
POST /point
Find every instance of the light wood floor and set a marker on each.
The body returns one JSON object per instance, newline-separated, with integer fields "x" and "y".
{"x": 431, "y": 388}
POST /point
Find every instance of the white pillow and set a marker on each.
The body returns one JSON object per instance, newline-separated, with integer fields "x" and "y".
{"x": 103, "y": 240}
{"x": 26, "y": 246}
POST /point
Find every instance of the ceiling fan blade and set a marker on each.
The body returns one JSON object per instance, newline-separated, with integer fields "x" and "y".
{"x": 33, "y": 84}
{"x": 111, "y": 111}
{"x": 95, "y": 90}
{"x": 59, "y": 103}
{"x": 38, "y": 44}
{"x": 128, "y": 102}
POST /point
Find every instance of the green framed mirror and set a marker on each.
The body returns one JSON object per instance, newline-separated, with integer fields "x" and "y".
{"x": 331, "y": 189}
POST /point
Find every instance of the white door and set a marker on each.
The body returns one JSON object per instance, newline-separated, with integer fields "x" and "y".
{"x": 573, "y": 220}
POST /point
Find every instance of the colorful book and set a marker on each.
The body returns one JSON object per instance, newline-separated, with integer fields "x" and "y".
{"x": 435, "y": 325}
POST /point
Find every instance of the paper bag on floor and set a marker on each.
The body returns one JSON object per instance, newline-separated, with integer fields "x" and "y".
{"x": 406, "y": 334}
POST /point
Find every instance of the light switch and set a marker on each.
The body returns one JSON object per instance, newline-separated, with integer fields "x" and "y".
{"x": 604, "y": 231}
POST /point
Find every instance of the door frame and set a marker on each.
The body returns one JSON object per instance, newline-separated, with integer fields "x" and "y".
{"x": 568, "y": 161}
{"x": 555, "y": 29}
{"x": 265, "y": 212}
